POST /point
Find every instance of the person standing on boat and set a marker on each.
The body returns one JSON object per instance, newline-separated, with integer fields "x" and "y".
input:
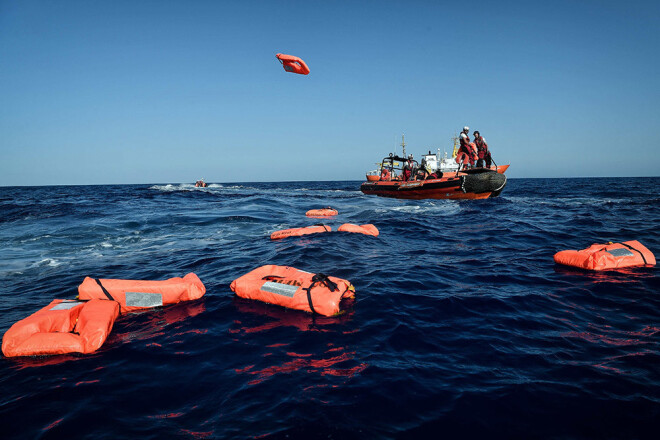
{"x": 408, "y": 168}
{"x": 482, "y": 150}
{"x": 466, "y": 146}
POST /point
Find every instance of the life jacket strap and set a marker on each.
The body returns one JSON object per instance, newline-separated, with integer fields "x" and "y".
{"x": 636, "y": 250}
{"x": 319, "y": 278}
{"x": 106, "y": 292}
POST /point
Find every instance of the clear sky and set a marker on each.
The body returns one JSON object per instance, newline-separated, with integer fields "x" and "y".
{"x": 171, "y": 91}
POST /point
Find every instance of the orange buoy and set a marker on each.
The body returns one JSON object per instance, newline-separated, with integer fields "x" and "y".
{"x": 323, "y": 212}
{"x": 607, "y": 256}
{"x": 296, "y": 289}
{"x": 363, "y": 229}
{"x": 293, "y": 64}
{"x": 296, "y": 232}
{"x": 63, "y": 326}
{"x": 140, "y": 294}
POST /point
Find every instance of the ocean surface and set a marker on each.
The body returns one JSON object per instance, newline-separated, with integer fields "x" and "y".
{"x": 462, "y": 326}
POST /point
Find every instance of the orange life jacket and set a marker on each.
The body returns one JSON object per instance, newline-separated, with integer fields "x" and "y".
{"x": 363, "y": 229}
{"x": 323, "y": 212}
{"x": 296, "y": 289}
{"x": 141, "y": 294}
{"x": 607, "y": 256}
{"x": 63, "y": 326}
{"x": 296, "y": 232}
{"x": 293, "y": 64}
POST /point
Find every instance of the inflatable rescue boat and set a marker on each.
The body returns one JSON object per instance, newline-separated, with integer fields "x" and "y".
{"x": 472, "y": 183}
{"x": 607, "y": 256}
{"x": 296, "y": 289}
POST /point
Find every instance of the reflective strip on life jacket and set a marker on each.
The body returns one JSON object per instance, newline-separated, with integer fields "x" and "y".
{"x": 621, "y": 252}
{"x": 279, "y": 289}
{"x": 143, "y": 299}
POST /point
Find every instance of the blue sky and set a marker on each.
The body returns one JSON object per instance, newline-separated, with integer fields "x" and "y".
{"x": 96, "y": 92}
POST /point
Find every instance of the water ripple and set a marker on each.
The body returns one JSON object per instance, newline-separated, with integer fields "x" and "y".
{"x": 462, "y": 323}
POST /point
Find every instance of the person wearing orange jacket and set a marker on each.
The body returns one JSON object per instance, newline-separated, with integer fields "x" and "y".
{"x": 482, "y": 150}
{"x": 466, "y": 146}
{"x": 408, "y": 169}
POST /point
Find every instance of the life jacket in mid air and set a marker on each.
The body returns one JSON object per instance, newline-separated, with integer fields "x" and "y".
{"x": 297, "y": 232}
{"x": 293, "y": 64}
{"x": 135, "y": 295}
{"x": 296, "y": 289}
{"x": 360, "y": 229}
{"x": 607, "y": 256}
{"x": 63, "y": 326}
{"x": 323, "y": 212}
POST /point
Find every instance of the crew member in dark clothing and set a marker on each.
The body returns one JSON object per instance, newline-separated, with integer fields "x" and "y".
{"x": 482, "y": 150}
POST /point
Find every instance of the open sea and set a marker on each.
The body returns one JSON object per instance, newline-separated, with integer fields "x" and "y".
{"x": 462, "y": 326}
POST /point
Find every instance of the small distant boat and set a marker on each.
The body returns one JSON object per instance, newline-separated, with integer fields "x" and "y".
{"x": 201, "y": 184}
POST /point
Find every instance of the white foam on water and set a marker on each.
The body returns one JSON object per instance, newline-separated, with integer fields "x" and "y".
{"x": 444, "y": 208}
{"x": 238, "y": 187}
{"x": 36, "y": 238}
{"x": 564, "y": 201}
{"x": 50, "y": 262}
{"x": 168, "y": 187}
{"x": 176, "y": 187}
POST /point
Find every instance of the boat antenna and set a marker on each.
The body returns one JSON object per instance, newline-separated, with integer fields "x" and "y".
{"x": 455, "y": 139}
{"x": 403, "y": 145}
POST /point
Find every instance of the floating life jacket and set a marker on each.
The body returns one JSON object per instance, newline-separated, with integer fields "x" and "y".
{"x": 363, "y": 229}
{"x": 63, "y": 326}
{"x": 296, "y": 232}
{"x": 296, "y": 289}
{"x": 323, "y": 212}
{"x": 138, "y": 294}
{"x": 293, "y": 64}
{"x": 607, "y": 256}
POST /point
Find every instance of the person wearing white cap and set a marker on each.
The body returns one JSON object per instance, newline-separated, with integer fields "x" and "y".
{"x": 466, "y": 146}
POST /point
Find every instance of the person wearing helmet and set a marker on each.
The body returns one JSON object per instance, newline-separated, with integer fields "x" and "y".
{"x": 482, "y": 150}
{"x": 466, "y": 146}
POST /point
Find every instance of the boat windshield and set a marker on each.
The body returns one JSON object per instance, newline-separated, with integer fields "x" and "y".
{"x": 395, "y": 164}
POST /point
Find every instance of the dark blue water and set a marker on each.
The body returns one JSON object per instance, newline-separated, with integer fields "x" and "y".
{"x": 463, "y": 327}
